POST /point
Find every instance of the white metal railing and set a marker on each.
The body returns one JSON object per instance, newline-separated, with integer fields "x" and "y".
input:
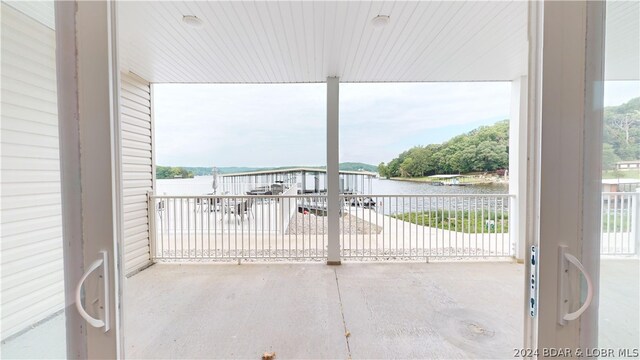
{"x": 620, "y": 223}
{"x": 371, "y": 226}
{"x": 256, "y": 188}
{"x": 236, "y": 227}
{"x": 424, "y": 226}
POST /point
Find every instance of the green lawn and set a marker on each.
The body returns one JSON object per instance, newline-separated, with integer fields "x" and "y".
{"x": 469, "y": 222}
{"x": 621, "y": 174}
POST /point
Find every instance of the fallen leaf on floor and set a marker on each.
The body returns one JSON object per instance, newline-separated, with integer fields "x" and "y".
{"x": 268, "y": 356}
{"x": 347, "y": 334}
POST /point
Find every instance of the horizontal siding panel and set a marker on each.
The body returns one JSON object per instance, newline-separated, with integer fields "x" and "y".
{"x": 136, "y": 96}
{"x": 21, "y": 290}
{"x": 18, "y": 98}
{"x": 31, "y": 297}
{"x": 128, "y": 152}
{"x": 13, "y": 323}
{"x": 136, "y": 206}
{"x": 131, "y": 136}
{"x": 135, "y": 106}
{"x": 137, "y": 261}
{"x": 28, "y": 201}
{"x": 131, "y": 81}
{"x": 22, "y": 151}
{"x": 34, "y": 78}
{"x": 137, "y": 169}
{"x": 29, "y": 176}
{"x": 137, "y": 242}
{"x": 29, "y": 225}
{"x": 136, "y": 121}
{"x": 45, "y": 90}
{"x": 135, "y": 230}
{"x": 40, "y": 36}
{"x": 41, "y": 11}
{"x": 136, "y": 145}
{"x": 22, "y": 252}
{"x": 10, "y": 242}
{"x": 35, "y": 210}
{"x": 30, "y": 189}
{"x": 136, "y": 176}
{"x": 40, "y": 258}
{"x": 34, "y": 272}
{"x": 135, "y": 113}
{"x": 136, "y": 199}
{"x": 137, "y": 214}
{"x": 136, "y": 160}
{"x": 39, "y": 59}
{"x": 135, "y": 221}
{"x": 16, "y": 163}
{"x": 135, "y": 192}
{"x": 126, "y": 127}
{"x": 31, "y": 114}
{"x": 16, "y": 137}
{"x": 138, "y": 184}
{"x": 28, "y": 126}
{"x": 32, "y": 261}
{"x": 136, "y": 92}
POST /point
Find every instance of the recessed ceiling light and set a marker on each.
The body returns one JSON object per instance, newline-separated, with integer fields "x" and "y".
{"x": 192, "y": 20}
{"x": 380, "y": 20}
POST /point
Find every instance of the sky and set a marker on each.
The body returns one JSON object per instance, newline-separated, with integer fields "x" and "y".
{"x": 284, "y": 124}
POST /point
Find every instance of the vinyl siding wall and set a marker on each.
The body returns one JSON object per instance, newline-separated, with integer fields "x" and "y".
{"x": 137, "y": 167}
{"x": 31, "y": 220}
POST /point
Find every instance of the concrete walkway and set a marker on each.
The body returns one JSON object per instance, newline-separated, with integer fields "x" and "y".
{"x": 304, "y": 310}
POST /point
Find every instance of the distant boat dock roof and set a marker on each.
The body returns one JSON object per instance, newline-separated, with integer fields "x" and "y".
{"x": 296, "y": 170}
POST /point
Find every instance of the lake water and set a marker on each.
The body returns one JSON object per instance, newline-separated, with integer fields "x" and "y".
{"x": 201, "y": 185}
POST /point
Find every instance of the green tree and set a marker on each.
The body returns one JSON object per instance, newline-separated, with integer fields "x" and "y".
{"x": 609, "y": 157}
{"x": 382, "y": 170}
{"x": 406, "y": 166}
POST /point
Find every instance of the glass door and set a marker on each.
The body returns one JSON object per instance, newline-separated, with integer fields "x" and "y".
{"x": 585, "y": 98}
{"x": 34, "y": 313}
{"x": 617, "y": 319}
{"x": 60, "y": 216}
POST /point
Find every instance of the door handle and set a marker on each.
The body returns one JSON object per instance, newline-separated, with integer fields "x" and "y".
{"x": 564, "y": 258}
{"x": 97, "y": 323}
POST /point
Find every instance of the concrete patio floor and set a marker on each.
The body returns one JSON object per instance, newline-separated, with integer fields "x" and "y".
{"x": 303, "y": 310}
{"x": 392, "y": 310}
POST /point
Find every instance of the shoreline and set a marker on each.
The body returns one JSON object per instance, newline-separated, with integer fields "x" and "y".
{"x": 462, "y": 183}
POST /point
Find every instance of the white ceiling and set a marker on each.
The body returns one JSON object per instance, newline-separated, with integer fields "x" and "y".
{"x": 274, "y": 42}
{"x": 622, "y": 38}
{"x": 284, "y": 42}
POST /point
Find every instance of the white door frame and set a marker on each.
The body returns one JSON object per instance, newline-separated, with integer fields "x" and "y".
{"x": 566, "y": 80}
{"x": 88, "y": 102}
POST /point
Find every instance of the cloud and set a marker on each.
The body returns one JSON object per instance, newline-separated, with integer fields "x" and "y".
{"x": 279, "y": 125}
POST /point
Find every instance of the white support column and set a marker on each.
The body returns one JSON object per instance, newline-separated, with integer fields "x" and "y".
{"x": 88, "y": 103}
{"x": 518, "y": 166}
{"x": 333, "y": 176}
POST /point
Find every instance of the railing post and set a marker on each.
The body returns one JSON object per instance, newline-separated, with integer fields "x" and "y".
{"x": 635, "y": 221}
{"x": 151, "y": 218}
{"x": 333, "y": 180}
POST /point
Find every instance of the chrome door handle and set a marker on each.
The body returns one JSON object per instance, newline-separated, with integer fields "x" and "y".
{"x": 97, "y": 323}
{"x": 564, "y": 258}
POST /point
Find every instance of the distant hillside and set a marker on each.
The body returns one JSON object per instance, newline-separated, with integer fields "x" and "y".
{"x": 203, "y": 171}
{"x": 356, "y": 166}
{"x": 482, "y": 149}
{"x": 621, "y": 133}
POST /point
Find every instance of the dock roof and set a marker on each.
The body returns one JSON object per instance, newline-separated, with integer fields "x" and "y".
{"x": 296, "y": 170}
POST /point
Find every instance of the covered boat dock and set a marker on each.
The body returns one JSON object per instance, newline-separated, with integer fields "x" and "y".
{"x": 309, "y": 180}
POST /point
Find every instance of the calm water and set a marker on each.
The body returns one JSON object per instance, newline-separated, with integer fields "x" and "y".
{"x": 201, "y": 185}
